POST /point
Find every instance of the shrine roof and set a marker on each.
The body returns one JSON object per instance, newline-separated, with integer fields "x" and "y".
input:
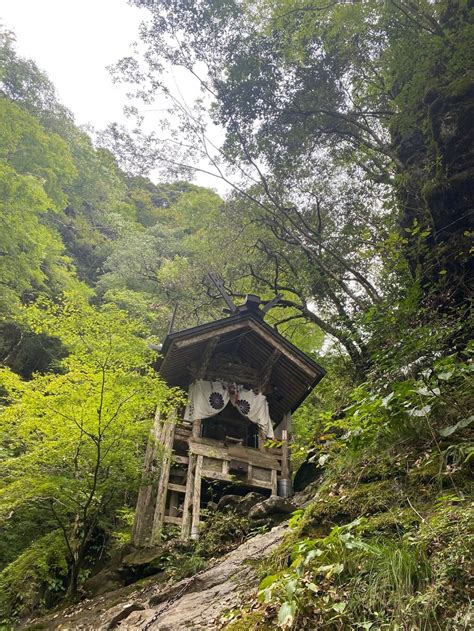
{"x": 252, "y": 342}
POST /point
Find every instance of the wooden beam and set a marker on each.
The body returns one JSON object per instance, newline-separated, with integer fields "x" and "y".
{"x": 283, "y": 348}
{"x": 181, "y": 459}
{"x": 206, "y": 356}
{"x": 209, "y": 334}
{"x": 197, "y": 498}
{"x": 258, "y": 458}
{"x": 226, "y": 477}
{"x": 267, "y": 369}
{"x": 197, "y": 428}
{"x": 169, "y": 519}
{"x": 167, "y": 436}
{"x": 179, "y": 488}
{"x": 274, "y": 482}
{"x": 144, "y": 508}
{"x": 188, "y": 498}
{"x": 285, "y": 460}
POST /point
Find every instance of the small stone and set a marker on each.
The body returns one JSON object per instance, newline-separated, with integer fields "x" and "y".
{"x": 121, "y": 612}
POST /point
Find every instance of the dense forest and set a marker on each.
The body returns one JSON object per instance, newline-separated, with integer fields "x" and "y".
{"x": 347, "y": 150}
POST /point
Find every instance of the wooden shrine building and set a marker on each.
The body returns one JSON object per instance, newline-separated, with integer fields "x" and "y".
{"x": 243, "y": 381}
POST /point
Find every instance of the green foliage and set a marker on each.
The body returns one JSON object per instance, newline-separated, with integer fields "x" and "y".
{"x": 73, "y": 438}
{"x": 36, "y": 579}
{"x": 34, "y": 168}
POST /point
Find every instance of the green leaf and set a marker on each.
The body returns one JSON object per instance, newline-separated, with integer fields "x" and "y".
{"x": 339, "y": 607}
{"x": 447, "y": 431}
{"x": 267, "y": 581}
{"x": 286, "y": 614}
{"x": 445, "y": 376}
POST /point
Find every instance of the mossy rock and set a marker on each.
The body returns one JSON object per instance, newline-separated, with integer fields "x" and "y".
{"x": 250, "y": 621}
{"x": 396, "y": 521}
{"x": 348, "y": 503}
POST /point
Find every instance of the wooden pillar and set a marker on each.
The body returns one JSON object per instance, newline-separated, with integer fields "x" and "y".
{"x": 188, "y": 498}
{"x": 146, "y": 495}
{"x": 197, "y": 428}
{"x": 285, "y": 455}
{"x": 274, "y": 481}
{"x": 285, "y": 461}
{"x": 167, "y": 438}
{"x": 196, "y": 499}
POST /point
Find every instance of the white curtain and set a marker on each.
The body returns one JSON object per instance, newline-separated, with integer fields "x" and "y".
{"x": 208, "y": 398}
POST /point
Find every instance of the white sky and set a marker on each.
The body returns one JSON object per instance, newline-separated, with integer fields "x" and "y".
{"x": 74, "y": 41}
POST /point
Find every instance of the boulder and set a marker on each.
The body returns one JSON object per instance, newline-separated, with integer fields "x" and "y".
{"x": 240, "y": 505}
{"x": 106, "y": 580}
{"x": 273, "y": 506}
{"x": 121, "y": 612}
{"x": 228, "y": 502}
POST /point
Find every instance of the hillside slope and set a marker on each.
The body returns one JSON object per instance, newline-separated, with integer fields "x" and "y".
{"x": 197, "y": 602}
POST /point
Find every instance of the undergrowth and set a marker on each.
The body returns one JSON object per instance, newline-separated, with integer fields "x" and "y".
{"x": 386, "y": 541}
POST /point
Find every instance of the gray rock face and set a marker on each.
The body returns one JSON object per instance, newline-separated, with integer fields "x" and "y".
{"x": 193, "y": 603}
{"x": 199, "y": 602}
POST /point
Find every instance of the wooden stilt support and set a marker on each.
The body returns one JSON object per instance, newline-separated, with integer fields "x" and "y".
{"x": 188, "y": 498}
{"x": 197, "y": 428}
{"x": 285, "y": 461}
{"x": 146, "y": 495}
{"x": 274, "y": 481}
{"x": 196, "y": 498}
{"x": 167, "y": 436}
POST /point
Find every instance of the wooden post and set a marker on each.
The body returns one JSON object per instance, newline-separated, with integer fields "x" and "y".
{"x": 167, "y": 437}
{"x": 197, "y": 428}
{"x": 196, "y": 499}
{"x": 285, "y": 455}
{"x": 144, "y": 506}
{"x": 285, "y": 460}
{"x": 274, "y": 481}
{"x": 188, "y": 498}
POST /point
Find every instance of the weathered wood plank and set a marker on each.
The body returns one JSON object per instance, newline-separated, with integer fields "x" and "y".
{"x": 179, "y": 488}
{"x": 205, "y": 447}
{"x": 188, "y": 498}
{"x": 146, "y": 496}
{"x": 196, "y": 498}
{"x": 274, "y": 482}
{"x": 205, "y": 336}
{"x": 218, "y": 475}
{"x": 283, "y": 349}
{"x": 180, "y": 459}
{"x": 167, "y": 435}
{"x": 206, "y": 356}
{"x": 168, "y": 519}
{"x": 266, "y": 372}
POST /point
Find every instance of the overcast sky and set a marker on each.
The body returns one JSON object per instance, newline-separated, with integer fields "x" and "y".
{"x": 74, "y": 41}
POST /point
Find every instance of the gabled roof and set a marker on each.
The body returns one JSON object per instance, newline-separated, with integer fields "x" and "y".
{"x": 247, "y": 336}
